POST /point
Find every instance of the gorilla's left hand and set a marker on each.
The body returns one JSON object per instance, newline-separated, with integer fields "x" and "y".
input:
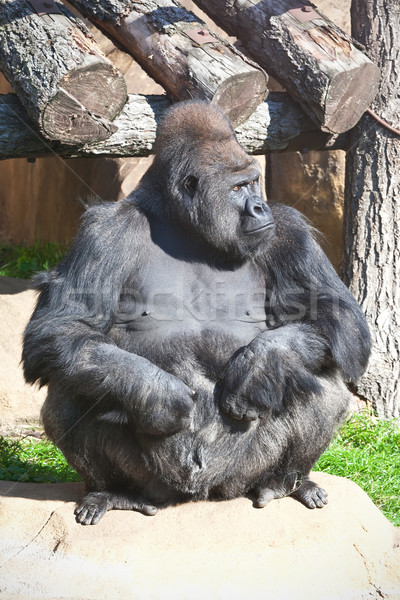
{"x": 260, "y": 377}
{"x": 248, "y": 391}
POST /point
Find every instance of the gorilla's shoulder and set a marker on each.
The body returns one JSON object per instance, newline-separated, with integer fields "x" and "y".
{"x": 112, "y": 212}
{"x": 288, "y": 216}
{"x": 295, "y": 250}
{"x": 113, "y": 220}
{"x": 110, "y": 233}
{"x": 293, "y": 229}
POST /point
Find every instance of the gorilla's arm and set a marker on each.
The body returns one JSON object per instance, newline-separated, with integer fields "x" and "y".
{"x": 315, "y": 325}
{"x": 66, "y": 340}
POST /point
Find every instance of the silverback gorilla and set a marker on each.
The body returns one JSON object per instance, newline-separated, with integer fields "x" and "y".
{"x": 195, "y": 341}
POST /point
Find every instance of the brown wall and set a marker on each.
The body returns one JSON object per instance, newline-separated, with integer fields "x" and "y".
{"x": 41, "y": 200}
{"x": 314, "y": 184}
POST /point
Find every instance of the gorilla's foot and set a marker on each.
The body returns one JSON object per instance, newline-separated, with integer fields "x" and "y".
{"x": 311, "y": 495}
{"x": 264, "y": 496}
{"x": 271, "y": 489}
{"x": 301, "y": 488}
{"x": 94, "y": 505}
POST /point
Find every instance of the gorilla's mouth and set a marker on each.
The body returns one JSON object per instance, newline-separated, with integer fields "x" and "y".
{"x": 260, "y": 229}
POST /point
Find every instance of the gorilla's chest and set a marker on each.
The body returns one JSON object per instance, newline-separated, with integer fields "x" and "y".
{"x": 173, "y": 293}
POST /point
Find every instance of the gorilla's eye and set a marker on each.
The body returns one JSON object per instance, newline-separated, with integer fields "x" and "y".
{"x": 244, "y": 184}
{"x": 190, "y": 184}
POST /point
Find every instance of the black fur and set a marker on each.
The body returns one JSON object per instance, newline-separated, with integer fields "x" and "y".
{"x": 195, "y": 341}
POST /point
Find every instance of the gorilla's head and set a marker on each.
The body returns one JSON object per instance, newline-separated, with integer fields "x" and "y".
{"x": 210, "y": 185}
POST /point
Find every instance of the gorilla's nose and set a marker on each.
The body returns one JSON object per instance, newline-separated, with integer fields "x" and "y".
{"x": 257, "y": 215}
{"x": 256, "y": 207}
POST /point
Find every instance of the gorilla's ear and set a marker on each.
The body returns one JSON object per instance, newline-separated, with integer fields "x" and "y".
{"x": 190, "y": 185}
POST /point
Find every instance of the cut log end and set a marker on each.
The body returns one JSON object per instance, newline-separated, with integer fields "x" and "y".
{"x": 240, "y": 95}
{"x": 349, "y": 95}
{"x": 88, "y": 99}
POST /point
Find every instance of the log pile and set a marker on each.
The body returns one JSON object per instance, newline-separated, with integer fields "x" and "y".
{"x": 76, "y": 98}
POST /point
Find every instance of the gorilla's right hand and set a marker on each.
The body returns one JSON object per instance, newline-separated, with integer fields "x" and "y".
{"x": 162, "y": 406}
{"x": 150, "y": 400}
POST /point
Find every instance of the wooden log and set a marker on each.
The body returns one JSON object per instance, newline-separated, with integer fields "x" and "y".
{"x": 278, "y": 124}
{"x": 371, "y": 248}
{"x": 182, "y": 53}
{"x": 69, "y": 88}
{"x": 315, "y": 61}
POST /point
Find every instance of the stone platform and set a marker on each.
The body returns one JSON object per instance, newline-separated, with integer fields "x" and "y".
{"x": 204, "y": 550}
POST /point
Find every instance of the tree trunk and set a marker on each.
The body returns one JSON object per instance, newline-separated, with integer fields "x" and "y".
{"x": 67, "y": 85}
{"x": 312, "y": 58}
{"x": 276, "y": 125}
{"x": 372, "y": 207}
{"x": 181, "y": 53}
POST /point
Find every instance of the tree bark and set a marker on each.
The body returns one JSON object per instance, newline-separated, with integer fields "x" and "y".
{"x": 67, "y": 85}
{"x": 312, "y": 58}
{"x": 276, "y": 125}
{"x": 180, "y": 52}
{"x": 372, "y": 207}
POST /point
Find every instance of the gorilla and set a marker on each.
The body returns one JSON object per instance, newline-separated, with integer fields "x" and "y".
{"x": 196, "y": 341}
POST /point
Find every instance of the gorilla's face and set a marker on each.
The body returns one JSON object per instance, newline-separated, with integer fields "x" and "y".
{"x": 211, "y": 186}
{"x": 243, "y": 193}
{"x": 227, "y": 209}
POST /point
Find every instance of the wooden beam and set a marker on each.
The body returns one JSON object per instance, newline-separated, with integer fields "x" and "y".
{"x": 69, "y": 88}
{"x": 277, "y": 125}
{"x": 314, "y": 60}
{"x": 180, "y": 51}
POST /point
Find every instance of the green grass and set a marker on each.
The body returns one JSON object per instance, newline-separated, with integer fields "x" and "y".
{"x": 35, "y": 460}
{"x": 25, "y": 261}
{"x": 367, "y": 451}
